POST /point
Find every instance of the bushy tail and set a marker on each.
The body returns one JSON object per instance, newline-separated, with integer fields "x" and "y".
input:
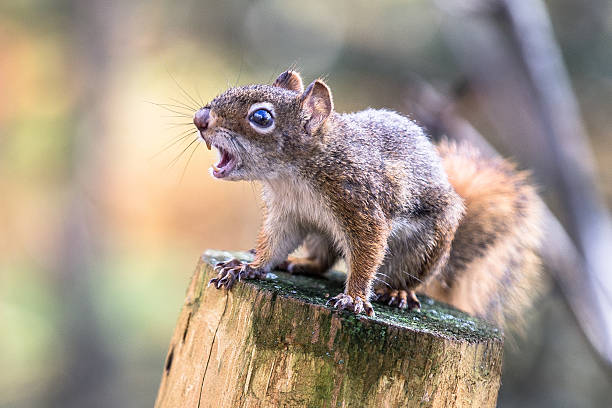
{"x": 493, "y": 270}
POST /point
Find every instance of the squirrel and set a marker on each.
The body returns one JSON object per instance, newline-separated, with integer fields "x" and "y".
{"x": 405, "y": 214}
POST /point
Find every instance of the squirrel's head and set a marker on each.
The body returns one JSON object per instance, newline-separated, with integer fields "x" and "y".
{"x": 259, "y": 130}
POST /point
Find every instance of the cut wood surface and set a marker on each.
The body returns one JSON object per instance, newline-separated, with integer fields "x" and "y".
{"x": 274, "y": 343}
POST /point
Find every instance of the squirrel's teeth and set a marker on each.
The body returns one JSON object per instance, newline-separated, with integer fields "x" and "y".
{"x": 207, "y": 144}
{"x": 215, "y": 168}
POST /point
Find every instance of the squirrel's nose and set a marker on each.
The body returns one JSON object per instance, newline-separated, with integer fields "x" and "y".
{"x": 200, "y": 119}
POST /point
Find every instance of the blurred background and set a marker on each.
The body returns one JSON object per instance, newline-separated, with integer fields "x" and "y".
{"x": 105, "y": 206}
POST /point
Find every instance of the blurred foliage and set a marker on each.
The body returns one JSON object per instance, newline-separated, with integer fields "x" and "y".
{"x": 156, "y": 217}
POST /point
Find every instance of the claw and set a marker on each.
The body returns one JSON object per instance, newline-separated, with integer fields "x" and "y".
{"x": 230, "y": 271}
{"x": 228, "y": 264}
{"x": 357, "y": 305}
{"x": 403, "y": 299}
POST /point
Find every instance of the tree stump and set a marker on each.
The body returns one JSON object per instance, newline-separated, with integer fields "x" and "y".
{"x": 274, "y": 343}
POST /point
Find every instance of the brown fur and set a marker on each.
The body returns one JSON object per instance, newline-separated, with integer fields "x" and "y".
{"x": 493, "y": 270}
{"x": 369, "y": 186}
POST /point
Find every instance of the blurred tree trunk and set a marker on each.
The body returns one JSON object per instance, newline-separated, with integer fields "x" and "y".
{"x": 89, "y": 365}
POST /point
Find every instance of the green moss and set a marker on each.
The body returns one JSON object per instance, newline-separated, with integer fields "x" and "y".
{"x": 358, "y": 349}
{"x": 324, "y": 385}
{"x": 435, "y": 318}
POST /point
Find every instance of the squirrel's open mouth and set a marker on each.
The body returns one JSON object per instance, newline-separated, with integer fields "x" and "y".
{"x": 227, "y": 163}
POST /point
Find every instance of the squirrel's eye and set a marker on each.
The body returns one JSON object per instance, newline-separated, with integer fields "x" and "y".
{"x": 261, "y": 118}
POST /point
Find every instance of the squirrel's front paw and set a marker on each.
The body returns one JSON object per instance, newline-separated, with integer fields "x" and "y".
{"x": 356, "y": 304}
{"x": 230, "y": 271}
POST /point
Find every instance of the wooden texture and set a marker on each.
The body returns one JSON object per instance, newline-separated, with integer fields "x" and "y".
{"x": 273, "y": 343}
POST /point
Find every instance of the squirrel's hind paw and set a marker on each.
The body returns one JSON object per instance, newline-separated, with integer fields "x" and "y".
{"x": 302, "y": 266}
{"x": 346, "y": 302}
{"x": 230, "y": 271}
{"x": 403, "y": 299}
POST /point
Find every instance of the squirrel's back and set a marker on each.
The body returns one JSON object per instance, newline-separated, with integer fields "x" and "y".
{"x": 493, "y": 270}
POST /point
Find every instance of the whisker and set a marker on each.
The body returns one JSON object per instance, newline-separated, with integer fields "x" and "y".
{"x": 184, "y": 105}
{"x": 413, "y": 277}
{"x": 237, "y": 145}
{"x": 178, "y": 116}
{"x": 188, "y": 160}
{"x": 382, "y": 274}
{"x": 173, "y": 110}
{"x": 175, "y": 160}
{"x": 275, "y": 72}
{"x": 186, "y": 131}
{"x": 182, "y": 89}
{"x": 240, "y": 70}
{"x": 161, "y": 105}
{"x": 382, "y": 281}
{"x": 174, "y": 125}
{"x": 199, "y": 96}
{"x": 172, "y": 143}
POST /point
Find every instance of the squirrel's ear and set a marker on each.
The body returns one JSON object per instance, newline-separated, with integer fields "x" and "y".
{"x": 317, "y": 101}
{"x": 290, "y": 80}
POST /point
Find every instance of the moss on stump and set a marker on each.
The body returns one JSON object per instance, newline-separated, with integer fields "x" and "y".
{"x": 273, "y": 343}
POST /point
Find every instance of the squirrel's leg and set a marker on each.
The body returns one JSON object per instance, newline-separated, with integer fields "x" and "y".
{"x": 367, "y": 246}
{"x": 277, "y": 238}
{"x": 321, "y": 255}
{"x": 418, "y": 251}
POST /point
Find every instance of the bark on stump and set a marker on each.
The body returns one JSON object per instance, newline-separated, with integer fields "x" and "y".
{"x": 273, "y": 343}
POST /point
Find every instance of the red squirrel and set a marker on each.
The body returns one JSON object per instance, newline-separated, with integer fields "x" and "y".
{"x": 371, "y": 188}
